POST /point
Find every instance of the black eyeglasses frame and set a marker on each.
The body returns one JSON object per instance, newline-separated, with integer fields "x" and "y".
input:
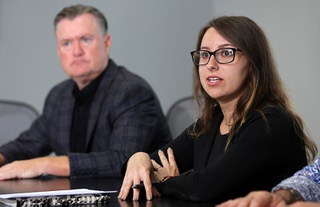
{"x": 214, "y": 55}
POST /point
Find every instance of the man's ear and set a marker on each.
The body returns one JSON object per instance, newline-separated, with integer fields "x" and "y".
{"x": 107, "y": 40}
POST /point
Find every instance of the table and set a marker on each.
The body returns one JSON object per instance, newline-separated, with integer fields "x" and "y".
{"x": 46, "y": 183}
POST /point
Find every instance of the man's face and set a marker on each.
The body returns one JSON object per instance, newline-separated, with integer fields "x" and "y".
{"x": 83, "y": 48}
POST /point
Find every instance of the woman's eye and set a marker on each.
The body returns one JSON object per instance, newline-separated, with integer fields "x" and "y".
{"x": 205, "y": 55}
{"x": 227, "y": 53}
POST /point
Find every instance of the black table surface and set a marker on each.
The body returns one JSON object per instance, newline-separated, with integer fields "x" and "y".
{"x": 47, "y": 183}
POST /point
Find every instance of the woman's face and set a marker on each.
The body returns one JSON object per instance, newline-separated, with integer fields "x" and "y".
{"x": 223, "y": 82}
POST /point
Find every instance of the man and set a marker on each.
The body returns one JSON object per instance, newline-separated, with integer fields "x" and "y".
{"x": 95, "y": 120}
{"x": 302, "y": 189}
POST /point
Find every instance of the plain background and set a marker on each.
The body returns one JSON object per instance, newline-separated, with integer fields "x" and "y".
{"x": 153, "y": 39}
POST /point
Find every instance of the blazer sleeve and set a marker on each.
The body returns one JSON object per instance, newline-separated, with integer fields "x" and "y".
{"x": 30, "y": 144}
{"x": 35, "y": 141}
{"x": 257, "y": 151}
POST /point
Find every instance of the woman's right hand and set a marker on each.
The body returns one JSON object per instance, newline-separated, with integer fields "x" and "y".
{"x": 139, "y": 169}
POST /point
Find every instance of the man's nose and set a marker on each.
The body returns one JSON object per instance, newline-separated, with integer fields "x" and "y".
{"x": 77, "y": 49}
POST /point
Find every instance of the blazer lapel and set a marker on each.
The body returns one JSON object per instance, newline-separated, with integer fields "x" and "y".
{"x": 65, "y": 115}
{"x": 99, "y": 96}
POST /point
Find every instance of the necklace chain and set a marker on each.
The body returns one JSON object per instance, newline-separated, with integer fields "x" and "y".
{"x": 229, "y": 125}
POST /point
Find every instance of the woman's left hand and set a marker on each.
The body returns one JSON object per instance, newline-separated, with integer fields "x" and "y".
{"x": 169, "y": 166}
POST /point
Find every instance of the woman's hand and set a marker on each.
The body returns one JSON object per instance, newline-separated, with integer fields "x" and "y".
{"x": 169, "y": 166}
{"x": 139, "y": 169}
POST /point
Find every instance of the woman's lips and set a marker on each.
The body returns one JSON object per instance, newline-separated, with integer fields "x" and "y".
{"x": 213, "y": 80}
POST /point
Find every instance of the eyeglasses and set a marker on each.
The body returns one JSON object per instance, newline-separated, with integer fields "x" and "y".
{"x": 222, "y": 56}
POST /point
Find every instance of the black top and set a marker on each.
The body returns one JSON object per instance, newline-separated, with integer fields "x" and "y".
{"x": 265, "y": 151}
{"x": 82, "y": 104}
{"x": 218, "y": 146}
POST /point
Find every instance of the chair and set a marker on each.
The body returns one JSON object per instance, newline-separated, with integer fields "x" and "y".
{"x": 15, "y": 117}
{"x": 181, "y": 115}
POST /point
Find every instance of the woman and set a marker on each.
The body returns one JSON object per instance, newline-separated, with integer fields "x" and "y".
{"x": 248, "y": 136}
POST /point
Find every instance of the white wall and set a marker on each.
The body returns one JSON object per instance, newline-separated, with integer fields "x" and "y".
{"x": 154, "y": 38}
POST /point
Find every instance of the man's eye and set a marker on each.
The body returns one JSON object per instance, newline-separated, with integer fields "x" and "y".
{"x": 85, "y": 39}
{"x": 66, "y": 44}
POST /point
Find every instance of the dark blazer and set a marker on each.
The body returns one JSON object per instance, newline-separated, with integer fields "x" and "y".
{"x": 262, "y": 153}
{"x": 125, "y": 117}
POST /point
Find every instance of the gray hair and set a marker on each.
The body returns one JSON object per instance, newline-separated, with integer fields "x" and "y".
{"x": 74, "y": 11}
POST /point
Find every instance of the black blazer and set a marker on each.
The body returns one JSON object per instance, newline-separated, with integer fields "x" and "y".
{"x": 261, "y": 154}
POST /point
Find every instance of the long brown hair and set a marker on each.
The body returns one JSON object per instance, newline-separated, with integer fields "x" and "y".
{"x": 264, "y": 86}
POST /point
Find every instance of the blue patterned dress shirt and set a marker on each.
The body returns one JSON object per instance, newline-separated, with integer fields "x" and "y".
{"x": 305, "y": 181}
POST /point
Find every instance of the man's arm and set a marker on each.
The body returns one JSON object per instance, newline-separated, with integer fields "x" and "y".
{"x": 58, "y": 166}
{"x": 289, "y": 195}
{"x": 305, "y": 183}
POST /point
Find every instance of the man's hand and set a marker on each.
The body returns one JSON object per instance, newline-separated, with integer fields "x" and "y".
{"x": 265, "y": 199}
{"x": 36, "y": 167}
{"x": 256, "y": 199}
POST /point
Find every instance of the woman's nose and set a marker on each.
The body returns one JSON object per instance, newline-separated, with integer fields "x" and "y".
{"x": 212, "y": 64}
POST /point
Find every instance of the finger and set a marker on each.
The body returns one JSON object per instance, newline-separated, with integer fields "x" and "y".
{"x": 125, "y": 188}
{"x": 245, "y": 203}
{"x": 229, "y": 203}
{"x": 136, "y": 191}
{"x": 155, "y": 165}
{"x": 163, "y": 159}
{"x": 10, "y": 171}
{"x": 171, "y": 157}
{"x": 148, "y": 187}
